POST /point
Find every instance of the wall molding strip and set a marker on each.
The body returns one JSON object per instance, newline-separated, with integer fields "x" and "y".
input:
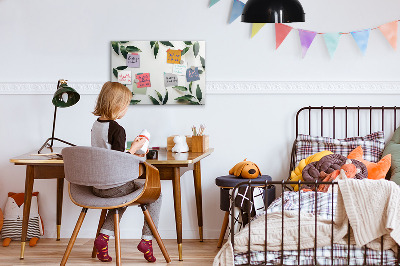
{"x": 232, "y": 87}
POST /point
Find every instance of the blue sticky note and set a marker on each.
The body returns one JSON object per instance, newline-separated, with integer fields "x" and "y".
{"x": 192, "y": 75}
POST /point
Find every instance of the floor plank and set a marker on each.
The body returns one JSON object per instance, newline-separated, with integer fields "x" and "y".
{"x": 49, "y": 252}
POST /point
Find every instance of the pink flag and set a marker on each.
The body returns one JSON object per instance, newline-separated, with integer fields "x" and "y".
{"x": 306, "y": 39}
{"x": 389, "y": 30}
{"x": 281, "y": 31}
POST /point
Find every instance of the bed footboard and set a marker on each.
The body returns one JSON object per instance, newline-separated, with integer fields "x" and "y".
{"x": 312, "y": 259}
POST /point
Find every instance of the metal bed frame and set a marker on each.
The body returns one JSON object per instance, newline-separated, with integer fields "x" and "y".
{"x": 283, "y": 184}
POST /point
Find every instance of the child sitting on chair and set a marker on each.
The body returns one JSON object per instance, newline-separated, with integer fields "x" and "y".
{"x": 112, "y": 103}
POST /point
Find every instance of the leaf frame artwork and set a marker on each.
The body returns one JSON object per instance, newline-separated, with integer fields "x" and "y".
{"x": 154, "y": 60}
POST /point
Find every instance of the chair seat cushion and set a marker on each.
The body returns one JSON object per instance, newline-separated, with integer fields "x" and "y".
{"x": 83, "y": 195}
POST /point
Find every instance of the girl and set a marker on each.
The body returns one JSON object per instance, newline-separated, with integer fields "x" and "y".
{"x": 112, "y": 103}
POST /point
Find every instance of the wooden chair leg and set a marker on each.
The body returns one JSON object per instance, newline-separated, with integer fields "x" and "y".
{"x": 223, "y": 229}
{"x": 154, "y": 230}
{"x": 101, "y": 222}
{"x": 117, "y": 238}
{"x": 73, "y": 237}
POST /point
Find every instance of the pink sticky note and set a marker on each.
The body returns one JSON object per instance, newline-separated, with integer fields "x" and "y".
{"x": 144, "y": 80}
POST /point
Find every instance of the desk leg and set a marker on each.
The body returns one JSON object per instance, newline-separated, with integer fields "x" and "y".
{"x": 197, "y": 189}
{"x": 60, "y": 190}
{"x": 27, "y": 206}
{"x": 176, "y": 182}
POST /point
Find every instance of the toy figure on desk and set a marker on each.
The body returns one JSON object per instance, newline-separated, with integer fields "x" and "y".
{"x": 13, "y": 213}
{"x": 180, "y": 144}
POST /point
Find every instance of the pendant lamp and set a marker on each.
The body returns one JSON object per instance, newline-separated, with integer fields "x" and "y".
{"x": 64, "y": 96}
{"x": 273, "y": 11}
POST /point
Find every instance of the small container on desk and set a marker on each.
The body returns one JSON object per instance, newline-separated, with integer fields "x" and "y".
{"x": 200, "y": 143}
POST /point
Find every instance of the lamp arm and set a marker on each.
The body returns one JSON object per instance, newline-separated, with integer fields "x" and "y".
{"x": 54, "y": 126}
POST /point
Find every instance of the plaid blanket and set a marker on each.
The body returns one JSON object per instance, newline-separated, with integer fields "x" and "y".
{"x": 323, "y": 205}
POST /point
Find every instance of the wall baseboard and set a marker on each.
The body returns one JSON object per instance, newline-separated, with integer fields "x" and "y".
{"x": 232, "y": 87}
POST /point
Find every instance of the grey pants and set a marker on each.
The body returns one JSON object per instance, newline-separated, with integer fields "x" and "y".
{"x": 154, "y": 208}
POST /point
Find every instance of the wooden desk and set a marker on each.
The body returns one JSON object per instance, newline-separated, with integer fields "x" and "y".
{"x": 169, "y": 165}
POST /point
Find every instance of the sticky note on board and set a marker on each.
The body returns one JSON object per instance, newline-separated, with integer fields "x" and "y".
{"x": 139, "y": 91}
{"x": 133, "y": 60}
{"x": 192, "y": 74}
{"x": 144, "y": 80}
{"x": 170, "y": 80}
{"x": 174, "y": 56}
{"x": 179, "y": 69}
{"x": 125, "y": 77}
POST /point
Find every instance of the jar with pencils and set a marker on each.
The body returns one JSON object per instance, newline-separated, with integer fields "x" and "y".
{"x": 200, "y": 141}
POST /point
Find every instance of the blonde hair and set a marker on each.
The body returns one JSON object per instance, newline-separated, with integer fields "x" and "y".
{"x": 112, "y": 99}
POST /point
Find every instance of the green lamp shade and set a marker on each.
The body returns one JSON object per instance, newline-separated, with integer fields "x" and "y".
{"x": 65, "y": 96}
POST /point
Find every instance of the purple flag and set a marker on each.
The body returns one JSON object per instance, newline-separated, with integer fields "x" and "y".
{"x": 306, "y": 39}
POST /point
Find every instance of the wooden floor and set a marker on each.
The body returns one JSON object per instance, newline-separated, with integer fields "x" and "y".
{"x": 50, "y": 252}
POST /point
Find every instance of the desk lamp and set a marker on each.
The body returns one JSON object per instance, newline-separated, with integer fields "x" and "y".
{"x": 273, "y": 11}
{"x": 64, "y": 96}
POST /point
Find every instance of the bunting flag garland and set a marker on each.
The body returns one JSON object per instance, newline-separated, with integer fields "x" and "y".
{"x": 213, "y": 2}
{"x": 306, "y": 39}
{"x": 361, "y": 37}
{"x": 237, "y": 9}
{"x": 281, "y": 31}
{"x": 256, "y": 27}
{"x": 389, "y": 30}
{"x": 332, "y": 41}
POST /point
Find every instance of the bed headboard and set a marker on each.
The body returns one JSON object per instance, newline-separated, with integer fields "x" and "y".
{"x": 344, "y": 121}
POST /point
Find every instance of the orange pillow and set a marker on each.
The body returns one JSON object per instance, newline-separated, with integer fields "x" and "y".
{"x": 375, "y": 170}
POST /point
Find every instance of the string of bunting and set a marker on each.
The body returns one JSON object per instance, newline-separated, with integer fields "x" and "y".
{"x": 361, "y": 37}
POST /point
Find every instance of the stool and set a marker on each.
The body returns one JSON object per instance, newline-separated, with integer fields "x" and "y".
{"x": 226, "y": 183}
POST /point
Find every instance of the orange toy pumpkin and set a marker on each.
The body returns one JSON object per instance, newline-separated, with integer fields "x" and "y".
{"x": 245, "y": 169}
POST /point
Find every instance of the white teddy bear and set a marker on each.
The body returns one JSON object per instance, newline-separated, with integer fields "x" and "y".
{"x": 180, "y": 144}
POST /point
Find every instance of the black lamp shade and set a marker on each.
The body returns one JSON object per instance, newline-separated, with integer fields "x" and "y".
{"x": 273, "y": 11}
{"x": 65, "y": 96}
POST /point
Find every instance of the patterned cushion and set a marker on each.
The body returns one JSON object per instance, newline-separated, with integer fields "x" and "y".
{"x": 372, "y": 144}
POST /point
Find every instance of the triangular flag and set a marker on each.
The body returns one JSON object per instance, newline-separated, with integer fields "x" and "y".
{"x": 281, "y": 31}
{"x": 306, "y": 39}
{"x": 255, "y": 28}
{"x": 332, "y": 41}
{"x": 361, "y": 37}
{"x": 390, "y": 32}
{"x": 213, "y": 2}
{"x": 237, "y": 9}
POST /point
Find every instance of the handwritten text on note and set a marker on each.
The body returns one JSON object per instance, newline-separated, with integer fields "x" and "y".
{"x": 170, "y": 80}
{"x": 133, "y": 60}
{"x": 125, "y": 77}
{"x": 144, "y": 80}
{"x": 174, "y": 56}
{"x": 192, "y": 74}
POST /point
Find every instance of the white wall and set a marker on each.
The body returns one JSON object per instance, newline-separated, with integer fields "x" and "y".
{"x": 43, "y": 41}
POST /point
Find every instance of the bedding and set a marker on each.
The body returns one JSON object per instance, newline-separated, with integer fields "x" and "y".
{"x": 340, "y": 253}
{"x": 318, "y": 171}
{"x": 372, "y": 144}
{"x": 393, "y": 148}
{"x": 306, "y": 202}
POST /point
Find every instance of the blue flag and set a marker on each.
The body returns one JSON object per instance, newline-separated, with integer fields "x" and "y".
{"x": 361, "y": 38}
{"x": 237, "y": 9}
